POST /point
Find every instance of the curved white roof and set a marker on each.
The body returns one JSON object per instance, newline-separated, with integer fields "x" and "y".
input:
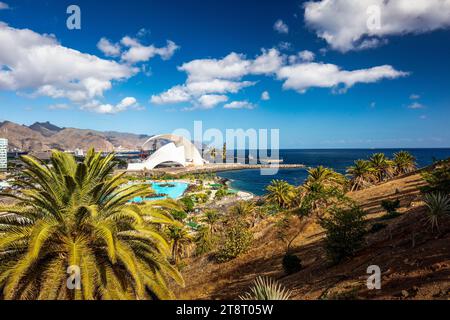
{"x": 179, "y": 150}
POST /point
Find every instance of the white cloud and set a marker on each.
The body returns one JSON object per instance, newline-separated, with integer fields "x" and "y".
{"x": 233, "y": 66}
{"x": 414, "y": 96}
{"x": 3, "y": 6}
{"x": 108, "y": 48}
{"x": 265, "y": 96}
{"x": 306, "y": 55}
{"x": 97, "y": 107}
{"x": 267, "y": 63}
{"x": 416, "y": 105}
{"x": 352, "y": 24}
{"x": 302, "y": 76}
{"x": 140, "y": 53}
{"x": 239, "y": 105}
{"x": 209, "y": 101}
{"x": 224, "y": 76}
{"x": 176, "y": 94}
{"x": 302, "y": 56}
{"x": 59, "y": 106}
{"x": 280, "y": 26}
{"x": 31, "y": 61}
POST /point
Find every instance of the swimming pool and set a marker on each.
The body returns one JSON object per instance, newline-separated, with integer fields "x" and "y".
{"x": 173, "y": 190}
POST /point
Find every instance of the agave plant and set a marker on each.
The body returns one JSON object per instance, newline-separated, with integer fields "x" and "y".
{"x": 78, "y": 214}
{"x": 281, "y": 193}
{"x": 404, "y": 162}
{"x": 361, "y": 174}
{"x": 266, "y": 289}
{"x": 438, "y": 205}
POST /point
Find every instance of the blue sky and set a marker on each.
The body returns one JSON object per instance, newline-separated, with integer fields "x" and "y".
{"x": 387, "y": 87}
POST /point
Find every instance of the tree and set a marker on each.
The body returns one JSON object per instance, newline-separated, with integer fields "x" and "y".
{"x": 180, "y": 239}
{"x": 345, "y": 230}
{"x": 210, "y": 218}
{"x": 78, "y": 214}
{"x": 213, "y": 153}
{"x": 224, "y": 152}
{"x": 281, "y": 193}
{"x": 382, "y": 166}
{"x": 361, "y": 174}
{"x": 404, "y": 162}
{"x": 324, "y": 176}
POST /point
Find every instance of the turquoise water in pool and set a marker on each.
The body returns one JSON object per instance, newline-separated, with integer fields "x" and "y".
{"x": 173, "y": 190}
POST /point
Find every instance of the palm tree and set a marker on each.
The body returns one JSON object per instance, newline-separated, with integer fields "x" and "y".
{"x": 213, "y": 153}
{"x": 281, "y": 193}
{"x": 361, "y": 174}
{"x": 325, "y": 176}
{"x": 180, "y": 239}
{"x": 404, "y": 162}
{"x": 71, "y": 214}
{"x": 383, "y": 167}
{"x": 224, "y": 152}
{"x": 210, "y": 218}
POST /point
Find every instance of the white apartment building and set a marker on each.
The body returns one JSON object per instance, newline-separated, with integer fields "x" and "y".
{"x": 3, "y": 154}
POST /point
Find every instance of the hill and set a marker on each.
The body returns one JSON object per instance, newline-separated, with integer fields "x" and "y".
{"x": 44, "y": 136}
{"x": 414, "y": 262}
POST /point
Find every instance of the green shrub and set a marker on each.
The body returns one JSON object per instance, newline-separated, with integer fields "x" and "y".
{"x": 390, "y": 206}
{"x": 179, "y": 215}
{"x": 291, "y": 264}
{"x": 438, "y": 179}
{"x": 377, "y": 227}
{"x": 345, "y": 229}
{"x": 188, "y": 203}
{"x": 238, "y": 239}
{"x": 220, "y": 194}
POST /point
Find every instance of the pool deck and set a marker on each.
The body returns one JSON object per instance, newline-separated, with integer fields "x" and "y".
{"x": 220, "y": 167}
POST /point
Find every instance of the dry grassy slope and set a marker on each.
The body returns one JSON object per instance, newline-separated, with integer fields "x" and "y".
{"x": 420, "y": 272}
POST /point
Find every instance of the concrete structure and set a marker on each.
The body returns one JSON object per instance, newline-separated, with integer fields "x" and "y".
{"x": 169, "y": 148}
{"x": 3, "y": 154}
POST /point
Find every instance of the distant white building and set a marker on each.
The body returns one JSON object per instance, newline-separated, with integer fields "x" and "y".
{"x": 78, "y": 153}
{"x": 3, "y": 154}
{"x": 177, "y": 150}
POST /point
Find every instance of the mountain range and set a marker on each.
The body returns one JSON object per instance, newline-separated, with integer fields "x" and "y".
{"x": 45, "y": 136}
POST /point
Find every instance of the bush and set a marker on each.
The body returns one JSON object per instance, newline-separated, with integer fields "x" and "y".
{"x": 188, "y": 203}
{"x": 390, "y": 206}
{"x": 377, "y": 227}
{"x": 291, "y": 264}
{"x": 220, "y": 194}
{"x": 238, "y": 239}
{"x": 179, "y": 215}
{"x": 438, "y": 179}
{"x": 345, "y": 229}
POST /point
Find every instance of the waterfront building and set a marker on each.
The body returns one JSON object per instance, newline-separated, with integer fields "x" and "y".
{"x": 3, "y": 154}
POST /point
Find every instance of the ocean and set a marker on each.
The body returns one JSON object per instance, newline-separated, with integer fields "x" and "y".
{"x": 337, "y": 159}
